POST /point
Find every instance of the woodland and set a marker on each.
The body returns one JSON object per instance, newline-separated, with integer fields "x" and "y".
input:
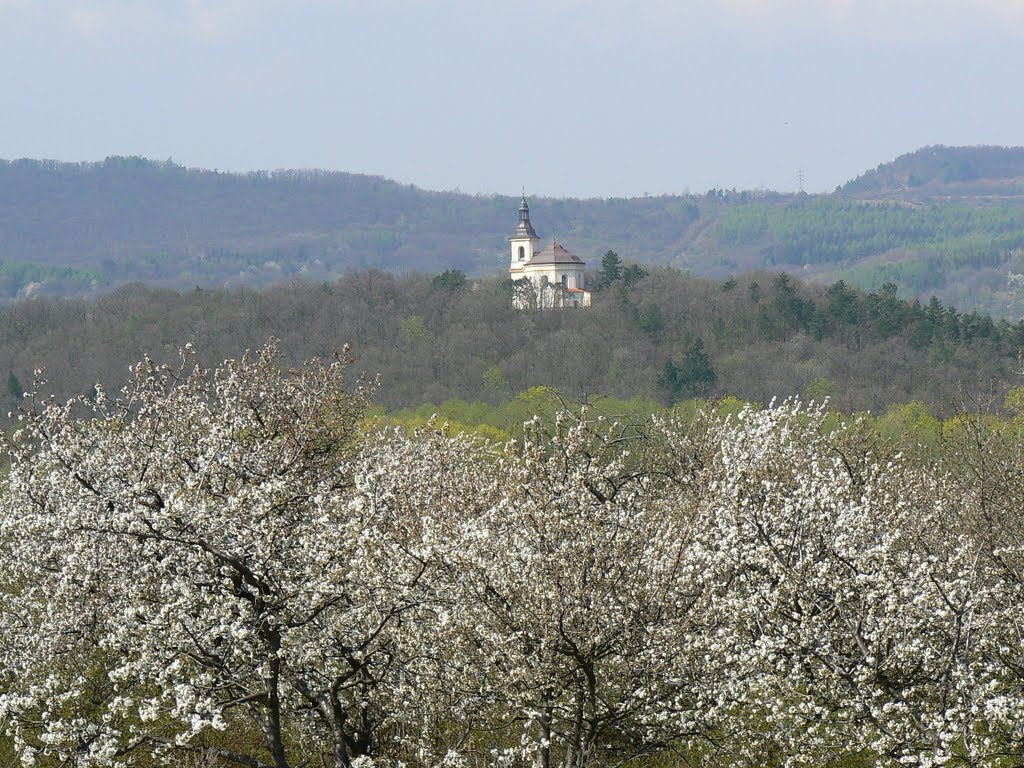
{"x": 652, "y": 333}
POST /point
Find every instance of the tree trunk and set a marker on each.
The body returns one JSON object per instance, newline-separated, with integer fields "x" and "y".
{"x": 275, "y": 740}
{"x": 339, "y": 747}
{"x": 544, "y": 753}
{"x": 574, "y": 751}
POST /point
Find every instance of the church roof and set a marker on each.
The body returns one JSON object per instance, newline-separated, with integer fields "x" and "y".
{"x": 524, "y": 229}
{"x": 555, "y": 254}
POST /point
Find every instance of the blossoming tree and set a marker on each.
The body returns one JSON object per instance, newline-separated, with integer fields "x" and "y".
{"x": 202, "y": 565}
{"x": 579, "y": 590}
{"x": 855, "y": 608}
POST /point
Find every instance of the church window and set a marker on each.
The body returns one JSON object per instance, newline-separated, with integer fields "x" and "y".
{"x": 565, "y": 281}
{"x": 522, "y": 253}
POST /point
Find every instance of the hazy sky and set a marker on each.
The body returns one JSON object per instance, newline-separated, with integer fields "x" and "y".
{"x": 564, "y": 97}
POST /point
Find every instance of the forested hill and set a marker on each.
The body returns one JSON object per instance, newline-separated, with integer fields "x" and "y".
{"x": 945, "y": 172}
{"x": 75, "y": 228}
{"x": 943, "y": 221}
{"x": 665, "y": 336}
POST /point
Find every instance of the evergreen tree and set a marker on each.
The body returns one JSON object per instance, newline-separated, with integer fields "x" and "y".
{"x": 611, "y": 270}
{"x": 695, "y": 377}
{"x": 450, "y": 279}
{"x": 633, "y": 274}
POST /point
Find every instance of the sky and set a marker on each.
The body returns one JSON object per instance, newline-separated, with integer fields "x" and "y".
{"x": 563, "y": 98}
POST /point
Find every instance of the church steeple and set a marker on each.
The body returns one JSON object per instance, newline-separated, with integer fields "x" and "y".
{"x": 524, "y": 228}
{"x": 524, "y": 240}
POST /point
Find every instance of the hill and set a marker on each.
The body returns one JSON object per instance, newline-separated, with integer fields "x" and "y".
{"x": 942, "y": 221}
{"x": 79, "y": 228}
{"x": 940, "y": 172}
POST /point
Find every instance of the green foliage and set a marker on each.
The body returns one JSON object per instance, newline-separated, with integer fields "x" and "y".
{"x": 1014, "y": 401}
{"x": 450, "y": 280}
{"x": 632, "y": 274}
{"x": 865, "y": 350}
{"x": 695, "y": 377}
{"x": 500, "y": 422}
{"x": 819, "y": 389}
{"x": 910, "y": 423}
{"x": 413, "y": 330}
{"x": 729, "y": 406}
{"x": 836, "y": 230}
{"x": 494, "y": 380}
{"x": 26, "y": 278}
{"x": 651, "y": 320}
{"x": 611, "y": 270}
{"x": 616, "y": 367}
{"x": 960, "y": 250}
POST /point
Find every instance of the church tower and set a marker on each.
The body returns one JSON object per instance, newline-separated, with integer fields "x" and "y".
{"x": 524, "y": 240}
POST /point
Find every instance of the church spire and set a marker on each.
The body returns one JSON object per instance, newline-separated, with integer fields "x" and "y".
{"x": 524, "y": 228}
{"x": 524, "y": 240}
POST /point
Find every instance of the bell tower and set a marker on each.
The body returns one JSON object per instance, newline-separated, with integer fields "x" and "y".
{"x": 524, "y": 240}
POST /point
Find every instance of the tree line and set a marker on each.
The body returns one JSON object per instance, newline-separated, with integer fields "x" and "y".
{"x": 223, "y": 567}
{"x": 655, "y": 333}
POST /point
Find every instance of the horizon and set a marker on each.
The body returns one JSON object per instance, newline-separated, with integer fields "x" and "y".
{"x": 574, "y": 99}
{"x": 272, "y": 171}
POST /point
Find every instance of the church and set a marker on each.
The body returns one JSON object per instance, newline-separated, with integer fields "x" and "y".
{"x": 551, "y": 278}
